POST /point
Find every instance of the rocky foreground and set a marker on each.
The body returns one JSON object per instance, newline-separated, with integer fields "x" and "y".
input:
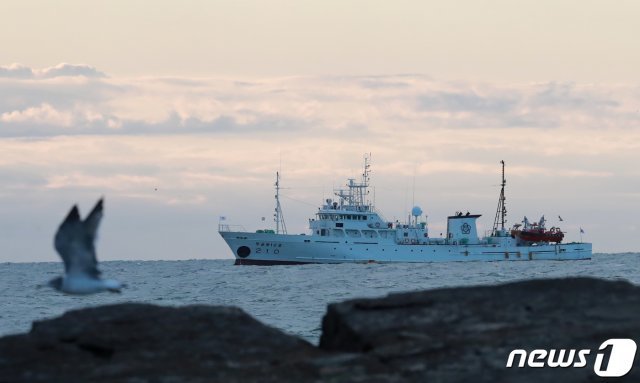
{"x": 447, "y": 335}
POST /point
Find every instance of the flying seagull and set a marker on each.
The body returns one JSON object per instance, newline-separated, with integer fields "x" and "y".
{"x": 74, "y": 242}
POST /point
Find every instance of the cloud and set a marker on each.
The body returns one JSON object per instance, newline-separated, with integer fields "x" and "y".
{"x": 569, "y": 95}
{"x": 43, "y": 114}
{"x": 112, "y": 182}
{"x": 467, "y": 101}
{"x": 16, "y": 71}
{"x": 82, "y": 100}
{"x": 61, "y": 70}
{"x": 70, "y": 70}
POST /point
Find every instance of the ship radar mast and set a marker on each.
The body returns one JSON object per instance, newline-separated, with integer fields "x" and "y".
{"x": 354, "y": 198}
{"x": 281, "y": 228}
{"x": 362, "y": 188}
{"x": 501, "y": 212}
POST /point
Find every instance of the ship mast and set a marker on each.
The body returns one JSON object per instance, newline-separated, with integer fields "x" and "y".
{"x": 281, "y": 228}
{"x": 501, "y": 212}
{"x": 362, "y": 187}
{"x": 355, "y": 197}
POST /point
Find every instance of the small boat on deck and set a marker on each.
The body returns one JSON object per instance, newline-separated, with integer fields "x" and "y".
{"x": 529, "y": 233}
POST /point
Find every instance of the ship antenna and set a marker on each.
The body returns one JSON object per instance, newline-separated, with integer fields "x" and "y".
{"x": 413, "y": 195}
{"x": 501, "y": 212}
{"x": 279, "y": 217}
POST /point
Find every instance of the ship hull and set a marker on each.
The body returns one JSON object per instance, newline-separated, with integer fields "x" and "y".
{"x": 283, "y": 249}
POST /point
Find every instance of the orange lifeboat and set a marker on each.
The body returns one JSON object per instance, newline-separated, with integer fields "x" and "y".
{"x": 537, "y": 234}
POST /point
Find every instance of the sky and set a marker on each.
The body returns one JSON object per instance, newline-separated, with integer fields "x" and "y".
{"x": 178, "y": 113}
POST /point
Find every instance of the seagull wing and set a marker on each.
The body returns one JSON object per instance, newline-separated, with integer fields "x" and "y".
{"x": 74, "y": 242}
{"x": 64, "y": 236}
{"x": 91, "y": 224}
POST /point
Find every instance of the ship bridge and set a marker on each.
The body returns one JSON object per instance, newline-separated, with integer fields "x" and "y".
{"x": 351, "y": 215}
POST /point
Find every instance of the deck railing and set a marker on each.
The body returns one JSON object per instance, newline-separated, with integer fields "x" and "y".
{"x": 225, "y": 227}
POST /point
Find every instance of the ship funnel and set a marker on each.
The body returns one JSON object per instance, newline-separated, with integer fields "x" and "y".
{"x": 461, "y": 229}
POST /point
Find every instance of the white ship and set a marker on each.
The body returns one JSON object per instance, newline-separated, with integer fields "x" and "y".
{"x": 350, "y": 230}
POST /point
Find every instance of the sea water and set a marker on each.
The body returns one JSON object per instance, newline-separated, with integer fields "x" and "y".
{"x": 291, "y": 298}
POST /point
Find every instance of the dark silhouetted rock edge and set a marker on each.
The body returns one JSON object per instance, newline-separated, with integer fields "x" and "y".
{"x": 467, "y": 333}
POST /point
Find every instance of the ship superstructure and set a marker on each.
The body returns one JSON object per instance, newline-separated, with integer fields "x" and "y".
{"x": 349, "y": 229}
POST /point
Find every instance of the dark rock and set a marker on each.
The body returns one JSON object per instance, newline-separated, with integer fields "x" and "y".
{"x": 146, "y": 343}
{"x": 467, "y": 334}
{"x": 457, "y": 334}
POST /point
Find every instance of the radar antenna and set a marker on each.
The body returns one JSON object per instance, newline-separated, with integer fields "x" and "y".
{"x": 501, "y": 212}
{"x": 281, "y": 228}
